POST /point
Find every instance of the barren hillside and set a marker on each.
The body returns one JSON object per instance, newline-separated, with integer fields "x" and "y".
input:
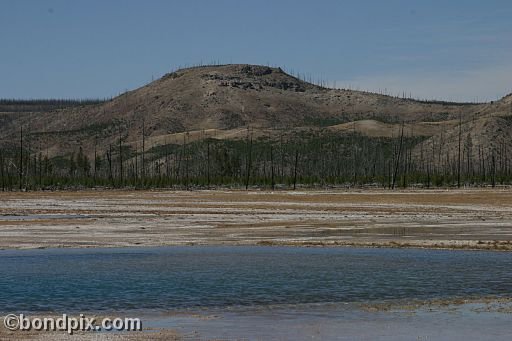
{"x": 226, "y": 99}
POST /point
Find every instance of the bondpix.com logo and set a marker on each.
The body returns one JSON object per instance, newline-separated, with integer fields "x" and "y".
{"x": 70, "y": 324}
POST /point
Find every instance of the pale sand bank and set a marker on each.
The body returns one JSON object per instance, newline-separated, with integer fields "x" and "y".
{"x": 458, "y": 219}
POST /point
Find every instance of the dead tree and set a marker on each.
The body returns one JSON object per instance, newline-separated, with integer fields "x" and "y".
{"x": 143, "y": 173}
{"x": 21, "y": 158}
{"x": 249, "y": 161}
{"x": 120, "y": 158}
{"x": 272, "y": 181}
{"x": 295, "y": 169}
{"x": 493, "y": 167}
{"x": 2, "y": 175}
{"x": 109, "y": 159}
{"x": 95, "y": 159}
{"x": 208, "y": 163}
{"x": 399, "y": 154}
{"x": 185, "y": 159}
{"x": 459, "y": 156}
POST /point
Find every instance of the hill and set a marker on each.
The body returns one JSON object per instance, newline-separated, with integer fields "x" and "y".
{"x": 222, "y": 98}
{"x": 234, "y": 102}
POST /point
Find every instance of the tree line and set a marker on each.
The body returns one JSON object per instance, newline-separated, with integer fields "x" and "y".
{"x": 42, "y": 105}
{"x": 315, "y": 158}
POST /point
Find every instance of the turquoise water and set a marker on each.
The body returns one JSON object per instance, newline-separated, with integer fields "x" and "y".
{"x": 218, "y": 277}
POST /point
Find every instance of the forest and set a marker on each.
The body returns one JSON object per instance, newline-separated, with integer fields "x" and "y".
{"x": 41, "y": 105}
{"x": 312, "y": 158}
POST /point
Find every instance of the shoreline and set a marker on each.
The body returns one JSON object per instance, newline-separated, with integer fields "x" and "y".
{"x": 402, "y": 319}
{"x": 466, "y": 219}
{"x": 487, "y": 247}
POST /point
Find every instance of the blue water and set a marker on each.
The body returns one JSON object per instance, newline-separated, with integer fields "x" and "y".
{"x": 205, "y": 277}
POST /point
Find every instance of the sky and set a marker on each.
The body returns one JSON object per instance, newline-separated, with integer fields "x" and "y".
{"x": 457, "y": 50}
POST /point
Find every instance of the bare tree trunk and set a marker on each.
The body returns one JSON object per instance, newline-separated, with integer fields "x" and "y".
{"x": 395, "y": 174}
{"x": 428, "y": 176}
{"x": 295, "y": 169}
{"x": 40, "y": 168}
{"x": 143, "y": 173}
{"x": 95, "y": 159}
{"x": 136, "y": 170}
{"x": 167, "y": 162}
{"x": 459, "y": 162}
{"x": 390, "y": 173}
{"x": 21, "y": 158}
{"x": 120, "y": 158}
{"x": 249, "y": 161}
{"x": 493, "y": 167}
{"x": 185, "y": 159}
{"x": 272, "y": 168}
{"x": 354, "y": 151}
{"x": 109, "y": 158}
{"x": 282, "y": 159}
{"x": 2, "y": 162}
{"x": 208, "y": 163}
{"x": 405, "y": 166}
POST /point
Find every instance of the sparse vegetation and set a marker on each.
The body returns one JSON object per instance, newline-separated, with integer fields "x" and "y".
{"x": 314, "y": 140}
{"x": 43, "y": 105}
{"x": 300, "y": 159}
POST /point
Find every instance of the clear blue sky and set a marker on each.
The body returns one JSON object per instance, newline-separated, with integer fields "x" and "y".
{"x": 450, "y": 49}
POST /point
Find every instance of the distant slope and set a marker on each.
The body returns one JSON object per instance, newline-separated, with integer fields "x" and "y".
{"x": 43, "y": 105}
{"x": 374, "y": 128}
{"x": 481, "y": 139}
{"x": 226, "y": 99}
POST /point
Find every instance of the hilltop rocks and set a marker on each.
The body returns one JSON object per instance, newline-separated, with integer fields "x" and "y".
{"x": 252, "y": 77}
{"x": 254, "y": 70}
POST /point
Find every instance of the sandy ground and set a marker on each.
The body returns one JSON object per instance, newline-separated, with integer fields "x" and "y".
{"x": 146, "y": 333}
{"x": 465, "y": 219}
{"x": 159, "y": 335}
